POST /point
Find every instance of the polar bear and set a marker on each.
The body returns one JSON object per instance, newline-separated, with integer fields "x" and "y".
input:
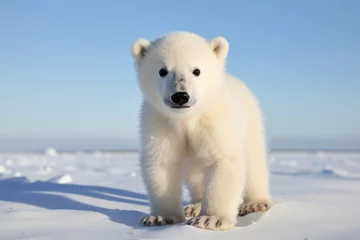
{"x": 201, "y": 125}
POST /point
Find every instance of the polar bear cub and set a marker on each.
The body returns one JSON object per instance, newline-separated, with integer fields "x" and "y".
{"x": 201, "y": 125}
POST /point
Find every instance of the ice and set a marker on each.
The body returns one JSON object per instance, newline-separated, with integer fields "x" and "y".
{"x": 45, "y": 170}
{"x": 316, "y": 196}
{"x": 9, "y": 162}
{"x": 51, "y": 152}
{"x": 2, "y": 169}
{"x": 62, "y": 179}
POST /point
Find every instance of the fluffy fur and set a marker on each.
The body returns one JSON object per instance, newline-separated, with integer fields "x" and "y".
{"x": 216, "y": 144}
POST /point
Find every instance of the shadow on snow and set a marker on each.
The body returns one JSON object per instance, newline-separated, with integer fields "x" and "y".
{"x": 40, "y": 194}
{"x": 44, "y": 195}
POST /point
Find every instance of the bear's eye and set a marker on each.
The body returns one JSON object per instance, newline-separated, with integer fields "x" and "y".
{"x": 163, "y": 72}
{"x": 196, "y": 72}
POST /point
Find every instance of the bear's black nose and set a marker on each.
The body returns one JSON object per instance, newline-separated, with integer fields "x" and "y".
{"x": 180, "y": 98}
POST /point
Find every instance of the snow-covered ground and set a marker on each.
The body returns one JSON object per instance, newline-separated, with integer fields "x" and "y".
{"x": 100, "y": 195}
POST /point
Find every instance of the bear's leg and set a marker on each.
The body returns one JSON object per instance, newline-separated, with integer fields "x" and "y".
{"x": 224, "y": 181}
{"x": 194, "y": 180}
{"x": 163, "y": 180}
{"x": 257, "y": 196}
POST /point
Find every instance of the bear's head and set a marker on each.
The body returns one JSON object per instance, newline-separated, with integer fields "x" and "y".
{"x": 180, "y": 73}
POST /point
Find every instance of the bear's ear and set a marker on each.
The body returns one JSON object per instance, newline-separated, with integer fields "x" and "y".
{"x": 220, "y": 47}
{"x": 139, "y": 48}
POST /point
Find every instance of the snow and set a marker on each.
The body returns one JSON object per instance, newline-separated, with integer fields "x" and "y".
{"x": 100, "y": 195}
{"x": 2, "y": 169}
{"x": 61, "y": 179}
{"x": 51, "y": 152}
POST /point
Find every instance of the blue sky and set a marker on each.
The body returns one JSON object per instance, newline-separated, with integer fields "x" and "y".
{"x": 67, "y": 78}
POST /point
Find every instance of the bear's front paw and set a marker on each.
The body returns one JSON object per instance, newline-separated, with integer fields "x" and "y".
{"x": 210, "y": 223}
{"x": 192, "y": 210}
{"x": 254, "y": 206}
{"x": 160, "y": 220}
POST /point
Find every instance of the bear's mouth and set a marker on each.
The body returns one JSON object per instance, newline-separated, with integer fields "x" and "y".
{"x": 175, "y": 106}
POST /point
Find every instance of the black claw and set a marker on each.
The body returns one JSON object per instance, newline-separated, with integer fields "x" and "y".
{"x": 218, "y": 223}
{"x": 266, "y": 206}
{"x": 242, "y": 212}
{"x": 207, "y": 222}
{"x": 259, "y": 207}
{"x": 197, "y": 221}
{"x": 169, "y": 221}
{"x": 192, "y": 212}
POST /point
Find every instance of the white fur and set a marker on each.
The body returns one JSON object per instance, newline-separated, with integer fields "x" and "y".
{"x": 217, "y": 145}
